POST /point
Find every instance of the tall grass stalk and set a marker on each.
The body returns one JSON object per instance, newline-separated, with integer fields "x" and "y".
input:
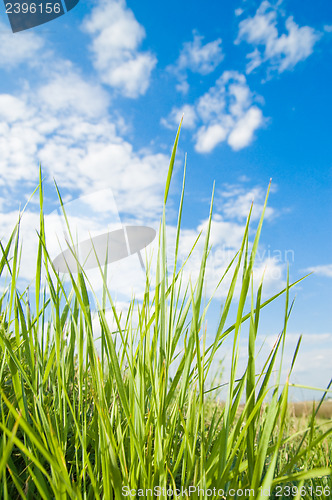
{"x": 80, "y": 423}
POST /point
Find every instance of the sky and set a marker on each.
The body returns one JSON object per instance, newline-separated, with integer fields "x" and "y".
{"x": 96, "y": 97}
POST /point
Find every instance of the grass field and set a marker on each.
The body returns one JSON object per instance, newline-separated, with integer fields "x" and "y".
{"x": 138, "y": 415}
{"x": 304, "y": 409}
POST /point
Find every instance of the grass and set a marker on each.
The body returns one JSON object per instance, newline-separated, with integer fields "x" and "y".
{"x": 304, "y": 409}
{"x": 77, "y": 423}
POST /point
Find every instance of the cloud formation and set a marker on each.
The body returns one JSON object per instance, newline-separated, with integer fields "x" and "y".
{"x": 281, "y": 51}
{"x": 225, "y": 113}
{"x": 325, "y": 271}
{"x": 116, "y": 38}
{"x": 65, "y": 124}
{"x": 21, "y": 48}
{"x": 234, "y": 202}
{"x": 198, "y": 58}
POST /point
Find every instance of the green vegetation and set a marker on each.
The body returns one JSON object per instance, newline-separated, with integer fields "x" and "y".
{"x": 76, "y": 423}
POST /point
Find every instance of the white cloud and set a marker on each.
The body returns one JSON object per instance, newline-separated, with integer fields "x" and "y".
{"x": 225, "y": 113}
{"x": 242, "y": 133}
{"x": 19, "y": 141}
{"x": 282, "y": 51}
{"x": 64, "y": 110}
{"x": 208, "y": 138}
{"x": 325, "y": 271}
{"x": 11, "y": 108}
{"x": 71, "y": 93}
{"x": 182, "y": 87}
{"x": 234, "y": 202}
{"x": 198, "y": 58}
{"x": 64, "y": 123}
{"x": 238, "y": 12}
{"x": 116, "y": 37}
{"x": 19, "y": 48}
{"x": 189, "y": 117}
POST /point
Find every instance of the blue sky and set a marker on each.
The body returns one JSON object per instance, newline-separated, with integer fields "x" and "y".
{"x": 96, "y": 97}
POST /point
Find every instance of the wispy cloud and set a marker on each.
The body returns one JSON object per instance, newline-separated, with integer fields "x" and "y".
{"x": 325, "y": 270}
{"x": 189, "y": 114}
{"x": 225, "y": 113}
{"x": 238, "y": 12}
{"x": 281, "y": 51}
{"x": 116, "y": 38}
{"x": 22, "y": 48}
{"x": 200, "y": 58}
{"x": 197, "y": 57}
{"x": 234, "y": 202}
